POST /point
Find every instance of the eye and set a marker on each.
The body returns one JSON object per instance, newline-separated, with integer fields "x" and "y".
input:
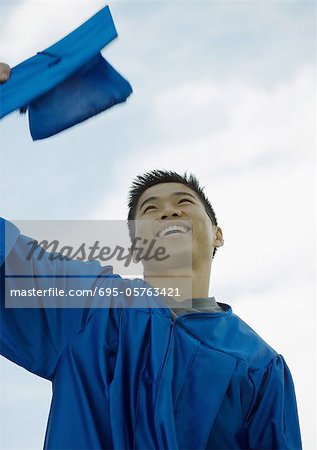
{"x": 148, "y": 208}
{"x": 185, "y": 200}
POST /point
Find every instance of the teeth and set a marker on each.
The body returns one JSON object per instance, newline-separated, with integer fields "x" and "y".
{"x": 171, "y": 228}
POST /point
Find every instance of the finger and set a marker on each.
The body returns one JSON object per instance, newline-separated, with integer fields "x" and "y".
{"x": 4, "y": 72}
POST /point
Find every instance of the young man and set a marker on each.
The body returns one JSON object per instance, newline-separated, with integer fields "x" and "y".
{"x": 149, "y": 376}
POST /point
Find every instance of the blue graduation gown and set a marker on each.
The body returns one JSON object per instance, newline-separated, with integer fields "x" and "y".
{"x": 133, "y": 378}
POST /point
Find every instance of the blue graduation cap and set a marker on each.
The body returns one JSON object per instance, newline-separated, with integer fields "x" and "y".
{"x": 68, "y": 82}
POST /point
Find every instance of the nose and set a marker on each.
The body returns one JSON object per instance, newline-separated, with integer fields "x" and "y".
{"x": 170, "y": 212}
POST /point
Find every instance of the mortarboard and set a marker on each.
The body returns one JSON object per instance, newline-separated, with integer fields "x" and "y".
{"x": 68, "y": 82}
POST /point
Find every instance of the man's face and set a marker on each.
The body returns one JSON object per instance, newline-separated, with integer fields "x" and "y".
{"x": 173, "y": 215}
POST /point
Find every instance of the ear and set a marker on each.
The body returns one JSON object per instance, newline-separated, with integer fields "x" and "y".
{"x": 218, "y": 239}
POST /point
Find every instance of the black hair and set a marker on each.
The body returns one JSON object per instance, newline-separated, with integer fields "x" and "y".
{"x": 143, "y": 182}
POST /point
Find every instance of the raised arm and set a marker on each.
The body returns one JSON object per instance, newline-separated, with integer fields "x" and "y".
{"x": 36, "y": 322}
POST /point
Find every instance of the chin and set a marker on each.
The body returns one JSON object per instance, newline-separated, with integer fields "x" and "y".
{"x": 180, "y": 263}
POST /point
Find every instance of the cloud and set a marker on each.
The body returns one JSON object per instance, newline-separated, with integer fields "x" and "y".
{"x": 30, "y": 26}
{"x": 234, "y": 123}
{"x": 221, "y": 131}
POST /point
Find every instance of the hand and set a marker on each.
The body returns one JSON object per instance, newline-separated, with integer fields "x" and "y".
{"x": 4, "y": 72}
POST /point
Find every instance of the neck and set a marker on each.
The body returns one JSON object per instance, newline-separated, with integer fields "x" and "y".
{"x": 182, "y": 285}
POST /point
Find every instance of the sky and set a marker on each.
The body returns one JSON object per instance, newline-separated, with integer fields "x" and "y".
{"x": 225, "y": 90}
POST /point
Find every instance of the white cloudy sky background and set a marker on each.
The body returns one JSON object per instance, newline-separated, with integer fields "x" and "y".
{"x": 223, "y": 89}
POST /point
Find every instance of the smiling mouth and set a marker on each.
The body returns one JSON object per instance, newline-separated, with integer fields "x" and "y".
{"x": 173, "y": 230}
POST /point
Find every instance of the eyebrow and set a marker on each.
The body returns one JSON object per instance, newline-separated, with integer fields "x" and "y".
{"x": 179, "y": 193}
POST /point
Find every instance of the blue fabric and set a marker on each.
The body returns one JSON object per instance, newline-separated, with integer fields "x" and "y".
{"x": 68, "y": 82}
{"x": 95, "y": 88}
{"x": 128, "y": 378}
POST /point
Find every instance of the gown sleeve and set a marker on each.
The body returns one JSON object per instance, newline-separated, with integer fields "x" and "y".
{"x": 34, "y": 337}
{"x": 272, "y": 422}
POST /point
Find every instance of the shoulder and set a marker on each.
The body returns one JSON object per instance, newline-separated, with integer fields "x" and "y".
{"x": 247, "y": 345}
